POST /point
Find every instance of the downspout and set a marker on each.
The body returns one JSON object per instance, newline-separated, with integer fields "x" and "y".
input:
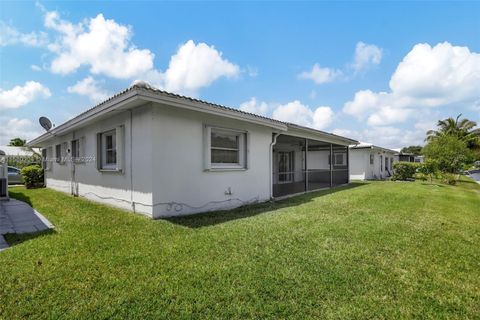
{"x": 131, "y": 161}
{"x": 274, "y": 141}
{"x": 72, "y": 169}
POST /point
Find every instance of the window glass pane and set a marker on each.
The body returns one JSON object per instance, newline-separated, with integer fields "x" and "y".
{"x": 111, "y": 157}
{"x": 109, "y": 141}
{"x": 74, "y": 148}
{"x": 58, "y": 152}
{"x": 224, "y": 140}
{"x": 224, "y": 156}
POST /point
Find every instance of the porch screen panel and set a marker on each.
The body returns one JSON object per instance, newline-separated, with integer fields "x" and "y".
{"x": 288, "y": 166}
{"x": 340, "y": 165}
{"x": 318, "y": 165}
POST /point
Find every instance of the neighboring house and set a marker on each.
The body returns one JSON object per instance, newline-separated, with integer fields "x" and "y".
{"x": 162, "y": 155}
{"x": 406, "y": 157}
{"x": 410, "y": 157}
{"x": 419, "y": 159}
{"x": 370, "y": 162}
{"x": 19, "y": 151}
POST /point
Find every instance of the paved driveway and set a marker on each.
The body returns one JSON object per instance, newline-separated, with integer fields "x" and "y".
{"x": 18, "y": 217}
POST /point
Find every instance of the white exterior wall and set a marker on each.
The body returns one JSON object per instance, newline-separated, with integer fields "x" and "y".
{"x": 181, "y": 184}
{"x": 112, "y": 188}
{"x": 360, "y": 167}
{"x": 359, "y": 158}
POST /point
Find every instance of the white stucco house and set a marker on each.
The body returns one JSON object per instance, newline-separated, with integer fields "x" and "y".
{"x": 370, "y": 162}
{"x": 161, "y": 154}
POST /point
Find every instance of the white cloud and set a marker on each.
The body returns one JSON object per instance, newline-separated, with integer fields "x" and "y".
{"x": 320, "y": 75}
{"x": 254, "y": 106}
{"x": 385, "y": 136}
{"x": 106, "y": 48}
{"x": 34, "y": 67}
{"x": 292, "y": 112}
{"x": 195, "y": 66}
{"x": 322, "y": 117}
{"x": 427, "y": 77}
{"x": 11, "y": 36}
{"x": 387, "y": 115}
{"x": 17, "y": 128}
{"x": 101, "y": 44}
{"x": 366, "y": 55}
{"x": 439, "y": 75}
{"x": 89, "y": 87}
{"x": 21, "y": 95}
{"x": 298, "y": 113}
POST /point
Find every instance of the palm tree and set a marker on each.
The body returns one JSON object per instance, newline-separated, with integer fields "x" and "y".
{"x": 460, "y": 128}
{"x": 17, "y": 142}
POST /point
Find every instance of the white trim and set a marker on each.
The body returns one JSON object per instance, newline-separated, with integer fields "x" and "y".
{"x": 242, "y": 150}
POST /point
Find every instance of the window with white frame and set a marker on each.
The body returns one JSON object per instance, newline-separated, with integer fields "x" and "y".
{"x": 109, "y": 149}
{"x": 46, "y": 158}
{"x": 227, "y": 148}
{"x": 77, "y": 150}
{"x": 371, "y": 158}
{"x": 58, "y": 153}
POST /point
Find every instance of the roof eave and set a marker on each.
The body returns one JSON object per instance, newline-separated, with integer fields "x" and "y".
{"x": 322, "y": 134}
{"x": 158, "y": 97}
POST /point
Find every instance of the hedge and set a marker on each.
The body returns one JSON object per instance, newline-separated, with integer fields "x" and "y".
{"x": 405, "y": 170}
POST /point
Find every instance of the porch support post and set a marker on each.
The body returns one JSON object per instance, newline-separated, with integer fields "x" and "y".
{"x": 331, "y": 165}
{"x": 348, "y": 164}
{"x": 306, "y": 165}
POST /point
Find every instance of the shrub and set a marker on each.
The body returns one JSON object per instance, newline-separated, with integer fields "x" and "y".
{"x": 404, "y": 170}
{"x": 429, "y": 168}
{"x": 32, "y": 176}
{"x": 449, "y": 178}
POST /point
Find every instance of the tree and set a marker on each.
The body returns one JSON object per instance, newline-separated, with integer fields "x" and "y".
{"x": 462, "y": 129}
{"x": 17, "y": 142}
{"x": 415, "y": 150}
{"x": 449, "y": 152}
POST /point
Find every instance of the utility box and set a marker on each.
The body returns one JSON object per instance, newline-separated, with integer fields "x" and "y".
{"x": 3, "y": 176}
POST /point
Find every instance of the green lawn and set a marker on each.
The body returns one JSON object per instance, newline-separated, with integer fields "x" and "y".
{"x": 370, "y": 250}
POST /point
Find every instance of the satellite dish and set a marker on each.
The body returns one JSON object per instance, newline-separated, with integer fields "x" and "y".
{"x": 45, "y": 123}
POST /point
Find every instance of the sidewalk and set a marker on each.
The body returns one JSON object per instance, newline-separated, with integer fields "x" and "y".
{"x": 18, "y": 217}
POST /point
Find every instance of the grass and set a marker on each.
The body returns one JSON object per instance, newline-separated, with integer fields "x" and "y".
{"x": 370, "y": 250}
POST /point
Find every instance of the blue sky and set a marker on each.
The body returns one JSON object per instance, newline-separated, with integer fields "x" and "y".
{"x": 377, "y": 72}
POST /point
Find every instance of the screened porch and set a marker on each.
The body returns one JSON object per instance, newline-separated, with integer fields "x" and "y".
{"x": 301, "y": 165}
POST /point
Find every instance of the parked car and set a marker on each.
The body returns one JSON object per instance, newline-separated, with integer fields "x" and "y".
{"x": 14, "y": 176}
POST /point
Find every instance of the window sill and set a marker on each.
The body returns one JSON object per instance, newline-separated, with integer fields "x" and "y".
{"x": 219, "y": 169}
{"x": 113, "y": 170}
